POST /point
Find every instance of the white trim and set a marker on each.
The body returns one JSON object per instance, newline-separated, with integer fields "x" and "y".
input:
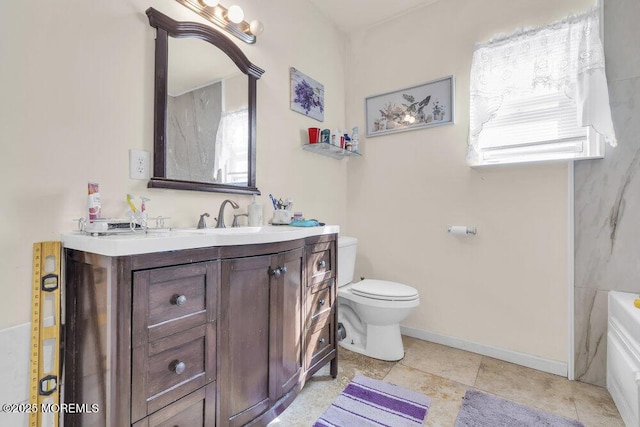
{"x": 571, "y": 374}
{"x": 523, "y": 359}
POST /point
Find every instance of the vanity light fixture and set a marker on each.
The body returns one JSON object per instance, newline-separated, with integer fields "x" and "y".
{"x": 230, "y": 20}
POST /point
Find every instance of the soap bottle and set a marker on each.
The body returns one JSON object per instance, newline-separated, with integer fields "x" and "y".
{"x": 355, "y": 139}
{"x": 255, "y": 213}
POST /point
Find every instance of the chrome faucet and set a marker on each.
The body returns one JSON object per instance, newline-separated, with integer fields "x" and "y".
{"x": 220, "y": 219}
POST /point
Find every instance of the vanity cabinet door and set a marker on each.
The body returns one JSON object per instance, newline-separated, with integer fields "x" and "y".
{"x": 260, "y": 333}
{"x": 245, "y": 321}
{"x": 288, "y": 320}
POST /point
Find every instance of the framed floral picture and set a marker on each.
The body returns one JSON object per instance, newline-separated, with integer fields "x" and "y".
{"x": 417, "y": 107}
{"x": 307, "y": 95}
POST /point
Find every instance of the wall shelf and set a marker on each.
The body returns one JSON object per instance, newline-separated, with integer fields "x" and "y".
{"x": 329, "y": 150}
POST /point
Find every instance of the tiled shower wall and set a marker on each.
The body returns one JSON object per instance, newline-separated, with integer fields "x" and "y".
{"x": 607, "y": 199}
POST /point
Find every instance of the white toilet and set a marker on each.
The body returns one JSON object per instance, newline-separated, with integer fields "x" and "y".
{"x": 371, "y": 310}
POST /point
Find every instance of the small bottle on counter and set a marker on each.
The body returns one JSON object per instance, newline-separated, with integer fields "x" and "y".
{"x": 254, "y": 211}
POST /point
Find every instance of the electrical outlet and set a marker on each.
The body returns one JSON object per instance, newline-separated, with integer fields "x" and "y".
{"x": 138, "y": 164}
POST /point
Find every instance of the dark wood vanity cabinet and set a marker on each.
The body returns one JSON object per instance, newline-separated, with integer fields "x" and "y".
{"x": 222, "y": 336}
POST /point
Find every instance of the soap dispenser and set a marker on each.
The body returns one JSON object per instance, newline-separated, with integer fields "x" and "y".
{"x": 255, "y": 213}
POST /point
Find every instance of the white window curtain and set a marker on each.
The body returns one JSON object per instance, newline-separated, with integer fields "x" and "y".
{"x": 566, "y": 57}
{"x": 231, "y": 162}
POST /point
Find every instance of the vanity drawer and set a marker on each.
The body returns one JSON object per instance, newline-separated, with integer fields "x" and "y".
{"x": 173, "y": 299}
{"x": 169, "y": 368}
{"x": 319, "y": 343}
{"x": 321, "y": 260}
{"x": 320, "y": 300}
{"x": 197, "y": 409}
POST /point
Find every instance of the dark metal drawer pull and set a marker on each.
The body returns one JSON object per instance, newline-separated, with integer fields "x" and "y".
{"x": 277, "y": 272}
{"x": 177, "y": 367}
{"x": 178, "y": 300}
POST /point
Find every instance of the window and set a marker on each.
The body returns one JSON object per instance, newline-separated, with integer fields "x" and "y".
{"x": 232, "y": 153}
{"x": 540, "y": 95}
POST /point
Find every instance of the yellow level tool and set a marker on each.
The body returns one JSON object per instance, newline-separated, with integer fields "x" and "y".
{"x": 45, "y": 336}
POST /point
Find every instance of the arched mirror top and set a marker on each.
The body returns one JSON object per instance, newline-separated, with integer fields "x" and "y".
{"x": 174, "y": 158}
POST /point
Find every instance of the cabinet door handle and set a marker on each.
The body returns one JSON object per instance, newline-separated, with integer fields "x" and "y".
{"x": 276, "y": 272}
{"x": 321, "y": 340}
{"x": 322, "y": 264}
{"x": 321, "y": 302}
{"x": 178, "y": 300}
{"x": 177, "y": 367}
{"x": 283, "y": 269}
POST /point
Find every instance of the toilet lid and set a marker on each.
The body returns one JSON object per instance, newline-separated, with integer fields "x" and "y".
{"x": 381, "y": 289}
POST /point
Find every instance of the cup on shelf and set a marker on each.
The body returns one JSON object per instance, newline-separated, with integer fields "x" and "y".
{"x": 325, "y": 136}
{"x": 314, "y": 135}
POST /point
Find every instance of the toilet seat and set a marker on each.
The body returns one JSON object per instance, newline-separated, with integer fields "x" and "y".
{"x": 384, "y": 290}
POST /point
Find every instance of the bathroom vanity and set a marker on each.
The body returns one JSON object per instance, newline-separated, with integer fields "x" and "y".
{"x": 214, "y": 327}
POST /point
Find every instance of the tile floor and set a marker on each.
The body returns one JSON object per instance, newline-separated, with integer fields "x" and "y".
{"x": 445, "y": 374}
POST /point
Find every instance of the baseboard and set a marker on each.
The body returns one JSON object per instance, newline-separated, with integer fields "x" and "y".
{"x": 523, "y": 359}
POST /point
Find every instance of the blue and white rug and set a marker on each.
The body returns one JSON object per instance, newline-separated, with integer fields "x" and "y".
{"x": 485, "y": 410}
{"x": 369, "y": 402}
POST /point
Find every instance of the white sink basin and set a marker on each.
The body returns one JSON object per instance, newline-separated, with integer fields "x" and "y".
{"x": 187, "y": 238}
{"x": 221, "y": 231}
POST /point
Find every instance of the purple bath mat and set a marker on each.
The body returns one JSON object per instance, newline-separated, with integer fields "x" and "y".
{"x": 484, "y": 410}
{"x": 369, "y": 402}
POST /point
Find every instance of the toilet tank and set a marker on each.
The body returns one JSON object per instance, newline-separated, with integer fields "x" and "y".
{"x": 346, "y": 259}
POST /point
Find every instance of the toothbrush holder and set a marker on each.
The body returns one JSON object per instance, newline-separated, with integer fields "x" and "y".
{"x": 281, "y": 217}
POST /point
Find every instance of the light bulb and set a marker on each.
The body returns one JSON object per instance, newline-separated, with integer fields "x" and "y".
{"x": 235, "y": 14}
{"x": 256, "y": 27}
{"x": 211, "y": 3}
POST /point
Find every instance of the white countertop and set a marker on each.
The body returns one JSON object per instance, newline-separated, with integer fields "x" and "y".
{"x": 176, "y": 239}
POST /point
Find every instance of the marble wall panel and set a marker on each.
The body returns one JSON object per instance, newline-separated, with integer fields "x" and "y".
{"x": 621, "y": 35}
{"x": 607, "y": 199}
{"x": 193, "y": 119}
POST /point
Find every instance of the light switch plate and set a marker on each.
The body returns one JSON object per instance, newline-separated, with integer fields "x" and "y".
{"x": 139, "y": 164}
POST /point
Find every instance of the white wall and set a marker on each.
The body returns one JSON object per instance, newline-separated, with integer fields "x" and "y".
{"x": 76, "y": 79}
{"x": 507, "y": 286}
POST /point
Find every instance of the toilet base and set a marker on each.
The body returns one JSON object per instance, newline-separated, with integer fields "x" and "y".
{"x": 381, "y": 342}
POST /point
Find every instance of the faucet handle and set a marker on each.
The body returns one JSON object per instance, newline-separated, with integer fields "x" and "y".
{"x": 202, "y": 223}
{"x": 235, "y": 219}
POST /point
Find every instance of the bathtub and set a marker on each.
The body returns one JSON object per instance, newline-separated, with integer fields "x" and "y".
{"x": 623, "y": 356}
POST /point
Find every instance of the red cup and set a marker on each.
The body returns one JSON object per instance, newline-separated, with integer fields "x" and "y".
{"x": 314, "y": 135}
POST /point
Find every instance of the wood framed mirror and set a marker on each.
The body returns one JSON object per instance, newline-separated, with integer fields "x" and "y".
{"x": 204, "y": 110}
